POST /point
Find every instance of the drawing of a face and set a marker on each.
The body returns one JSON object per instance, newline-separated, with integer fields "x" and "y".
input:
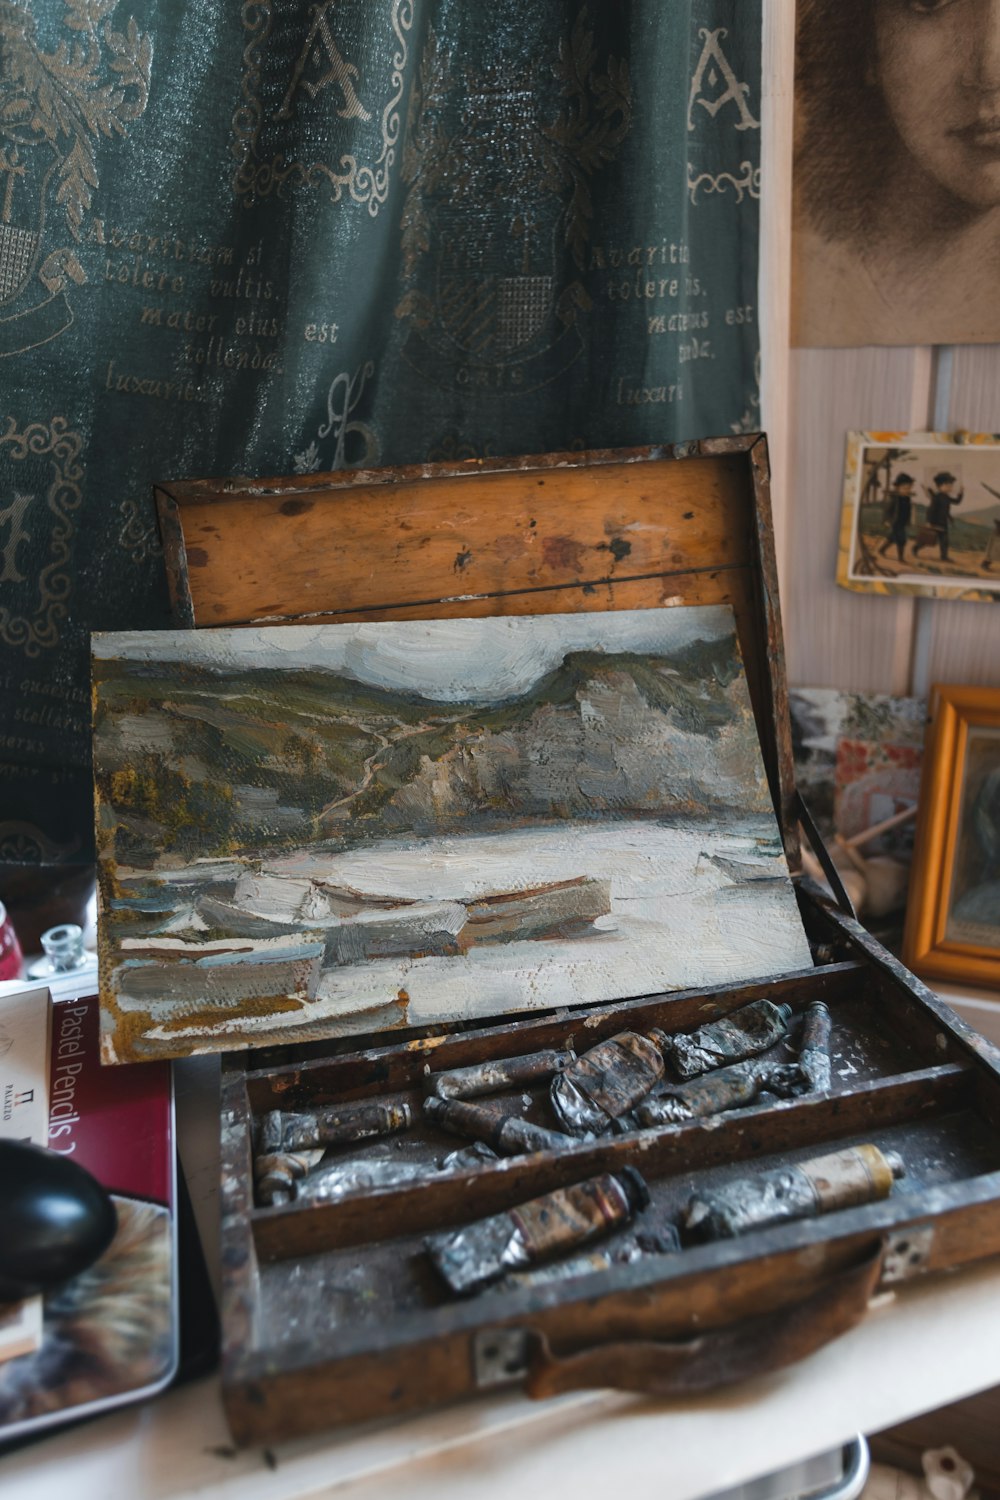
{"x": 938, "y": 63}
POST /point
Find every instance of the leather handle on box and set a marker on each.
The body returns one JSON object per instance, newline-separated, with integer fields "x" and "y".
{"x": 724, "y": 1356}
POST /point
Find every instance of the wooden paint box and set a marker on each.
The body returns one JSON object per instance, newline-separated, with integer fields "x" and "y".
{"x": 331, "y": 1314}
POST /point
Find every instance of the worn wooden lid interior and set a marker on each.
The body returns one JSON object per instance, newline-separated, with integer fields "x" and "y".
{"x": 611, "y": 529}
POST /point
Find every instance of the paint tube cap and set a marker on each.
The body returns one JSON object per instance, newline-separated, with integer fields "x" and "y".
{"x": 634, "y": 1186}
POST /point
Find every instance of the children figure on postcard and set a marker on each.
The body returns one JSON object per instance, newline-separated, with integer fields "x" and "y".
{"x": 902, "y": 525}
{"x": 992, "y": 553}
{"x": 938, "y": 522}
{"x": 898, "y": 511}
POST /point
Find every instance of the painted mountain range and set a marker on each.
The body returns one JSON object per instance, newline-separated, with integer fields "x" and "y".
{"x": 298, "y": 826}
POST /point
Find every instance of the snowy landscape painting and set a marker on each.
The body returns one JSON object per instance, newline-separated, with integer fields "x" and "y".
{"x": 317, "y": 831}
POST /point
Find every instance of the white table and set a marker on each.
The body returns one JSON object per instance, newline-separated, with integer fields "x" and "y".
{"x": 927, "y": 1346}
{"x": 922, "y": 1347}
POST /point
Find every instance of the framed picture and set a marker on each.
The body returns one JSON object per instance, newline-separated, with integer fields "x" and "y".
{"x": 921, "y": 515}
{"x": 953, "y": 914}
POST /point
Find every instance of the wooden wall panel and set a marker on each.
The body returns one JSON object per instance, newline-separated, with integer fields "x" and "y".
{"x": 833, "y": 637}
{"x": 965, "y": 643}
{"x": 974, "y": 399}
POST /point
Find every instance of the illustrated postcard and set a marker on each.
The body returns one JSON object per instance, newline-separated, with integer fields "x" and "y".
{"x": 921, "y": 515}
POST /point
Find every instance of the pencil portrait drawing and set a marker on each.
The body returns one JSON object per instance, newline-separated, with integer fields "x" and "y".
{"x": 897, "y": 172}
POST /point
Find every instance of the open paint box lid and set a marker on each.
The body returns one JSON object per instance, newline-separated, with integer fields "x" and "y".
{"x": 360, "y": 803}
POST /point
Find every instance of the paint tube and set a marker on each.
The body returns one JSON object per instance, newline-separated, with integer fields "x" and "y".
{"x": 629, "y": 1248}
{"x": 814, "y": 1048}
{"x": 751, "y": 1029}
{"x": 844, "y": 1179}
{"x": 277, "y": 1174}
{"x": 333, "y": 1180}
{"x": 560, "y": 1270}
{"x": 473, "y": 1257}
{"x": 337, "y": 1126}
{"x": 476, "y": 1155}
{"x": 660, "y": 1238}
{"x": 507, "y": 1133}
{"x": 491, "y": 1077}
{"x": 336, "y": 1180}
{"x": 726, "y": 1088}
{"x": 606, "y": 1082}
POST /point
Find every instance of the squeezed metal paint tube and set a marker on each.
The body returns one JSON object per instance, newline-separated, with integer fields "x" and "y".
{"x": 814, "y": 1048}
{"x": 607, "y": 1081}
{"x": 635, "y": 1245}
{"x": 279, "y": 1130}
{"x": 325, "y": 1184}
{"x": 491, "y": 1077}
{"x": 726, "y": 1088}
{"x": 560, "y": 1270}
{"x": 751, "y": 1029}
{"x": 277, "y": 1174}
{"x": 471, "y": 1258}
{"x": 476, "y": 1155}
{"x": 509, "y": 1135}
{"x": 844, "y": 1179}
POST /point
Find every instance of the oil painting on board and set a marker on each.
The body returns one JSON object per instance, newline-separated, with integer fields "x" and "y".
{"x": 921, "y": 515}
{"x": 319, "y": 831}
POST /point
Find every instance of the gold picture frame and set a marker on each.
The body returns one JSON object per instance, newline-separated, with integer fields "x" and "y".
{"x": 953, "y": 912}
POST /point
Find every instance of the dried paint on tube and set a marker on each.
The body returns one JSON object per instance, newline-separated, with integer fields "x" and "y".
{"x": 491, "y": 1077}
{"x": 726, "y": 1088}
{"x": 508, "y": 1134}
{"x": 750, "y": 1030}
{"x": 605, "y": 1082}
{"x": 471, "y": 1258}
{"x": 277, "y": 1173}
{"x": 337, "y": 1126}
{"x": 843, "y": 1179}
{"x": 814, "y": 1048}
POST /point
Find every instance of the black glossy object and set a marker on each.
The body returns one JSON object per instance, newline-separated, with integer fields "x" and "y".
{"x": 55, "y": 1220}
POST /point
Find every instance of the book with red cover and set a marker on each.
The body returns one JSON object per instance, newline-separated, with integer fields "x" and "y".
{"x": 109, "y": 1334}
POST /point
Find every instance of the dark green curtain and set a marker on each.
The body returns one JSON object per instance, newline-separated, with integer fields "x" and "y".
{"x": 285, "y": 236}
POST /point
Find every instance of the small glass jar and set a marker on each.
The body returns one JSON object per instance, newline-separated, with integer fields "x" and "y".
{"x": 64, "y": 952}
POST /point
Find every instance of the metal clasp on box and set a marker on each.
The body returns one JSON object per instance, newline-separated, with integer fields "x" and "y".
{"x": 500, "y": 1356}
{"x": 907, "y": 1253}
